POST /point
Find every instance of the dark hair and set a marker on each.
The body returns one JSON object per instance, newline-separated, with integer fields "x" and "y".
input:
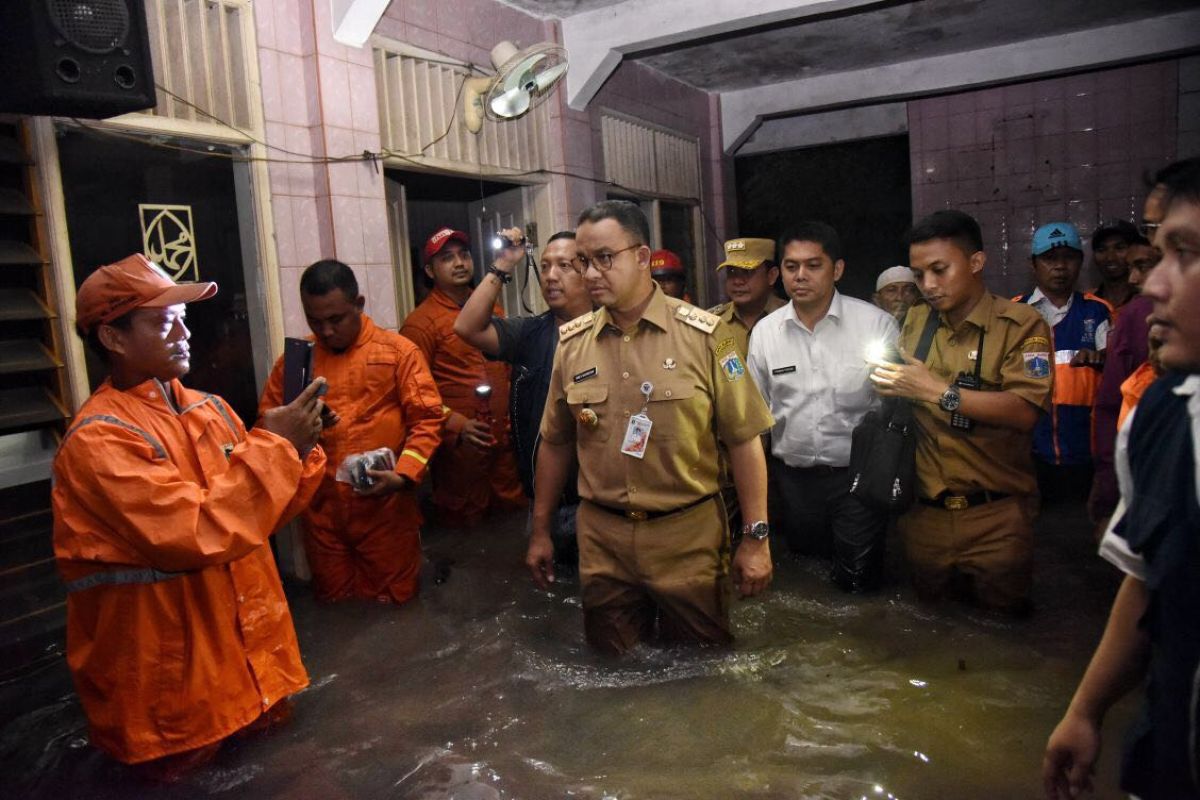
{"x": 628, "y": 215}
{"x": 324, "y": 276}
{"x": 1182, "y": 181}
{"x": 813, "y": 231}
{"x": 93, "y": 336}
{"x": 1142, "y": 240}
{"x": 957, "y": 226}
{"x": 561, "y": 235}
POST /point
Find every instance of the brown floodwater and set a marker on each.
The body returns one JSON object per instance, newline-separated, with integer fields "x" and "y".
{"x": 483, "y": 688}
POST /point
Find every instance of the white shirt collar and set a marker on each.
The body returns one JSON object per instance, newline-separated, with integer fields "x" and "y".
{"x": 1189, "y": 388}
{"x": 835, "y": 311}
{"x": 1038, "y": 297}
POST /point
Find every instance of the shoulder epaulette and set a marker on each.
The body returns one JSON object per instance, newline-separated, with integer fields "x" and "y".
{"x": 719, "y": 309}
{"x": 569, "y": 329}
{"x": 697, "y": 318}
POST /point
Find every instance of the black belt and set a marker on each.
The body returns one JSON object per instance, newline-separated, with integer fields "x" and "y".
{"x": 641, "y": 516}
{"x": 958, "y": 502}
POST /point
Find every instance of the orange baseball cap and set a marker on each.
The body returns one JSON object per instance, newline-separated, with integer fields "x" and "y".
{"x": 134, "y": 281}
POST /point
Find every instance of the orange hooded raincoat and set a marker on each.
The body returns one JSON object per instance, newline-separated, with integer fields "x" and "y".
{"x": 178, "y": 631}
{"x": 369, "y": 547}
{"x": 466, "y": 481}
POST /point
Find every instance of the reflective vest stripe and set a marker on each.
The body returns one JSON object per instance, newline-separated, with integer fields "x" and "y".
{"x": 159, "y": 450}
{"x": 415, "y": 455}
{"x": 120, "y": 578}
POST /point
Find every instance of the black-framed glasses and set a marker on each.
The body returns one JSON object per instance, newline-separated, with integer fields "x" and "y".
{"x": 603, "y": 261}
{"x": 1148, "y": 229}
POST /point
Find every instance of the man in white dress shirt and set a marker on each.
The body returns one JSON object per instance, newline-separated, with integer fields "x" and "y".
{"x": 809, "y": 360}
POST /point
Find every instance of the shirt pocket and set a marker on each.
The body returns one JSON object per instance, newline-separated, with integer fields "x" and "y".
{"x": 675, "y": 412}
{"x": 592, "y": 396}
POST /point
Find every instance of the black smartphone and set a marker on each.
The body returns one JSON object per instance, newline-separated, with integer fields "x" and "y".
{"x": 297, "y": 367}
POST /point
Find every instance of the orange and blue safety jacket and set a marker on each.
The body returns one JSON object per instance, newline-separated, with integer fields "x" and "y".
{"x": 1064, "y": 436}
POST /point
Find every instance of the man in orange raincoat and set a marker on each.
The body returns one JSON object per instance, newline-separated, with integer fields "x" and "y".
{"x": 365, "y": 542}
{"x": 178, "y": 631}
{"x": 475, "y": 469}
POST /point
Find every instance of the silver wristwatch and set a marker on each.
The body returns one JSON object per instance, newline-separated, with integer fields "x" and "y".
{"x": 950, "y": 399}
{"x": 756, "y": 530}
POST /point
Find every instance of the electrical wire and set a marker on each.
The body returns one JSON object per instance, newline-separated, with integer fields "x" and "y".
{"x": 373, "y": 156}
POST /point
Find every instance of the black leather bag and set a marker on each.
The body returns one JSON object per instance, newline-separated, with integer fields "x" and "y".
{"x": 883, "y": 449}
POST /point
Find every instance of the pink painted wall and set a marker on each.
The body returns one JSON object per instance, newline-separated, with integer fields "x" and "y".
{"x": 1069, "y": 149}
{"x": 319, "y": 102}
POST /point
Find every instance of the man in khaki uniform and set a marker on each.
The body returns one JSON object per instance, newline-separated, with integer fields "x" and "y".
{"x": 750, "y": 275}
{"x": 641, "y": 391}
{"x": 973, "y": 521}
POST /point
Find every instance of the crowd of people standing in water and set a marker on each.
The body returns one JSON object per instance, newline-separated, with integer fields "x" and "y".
{"x": 662, "y": 449}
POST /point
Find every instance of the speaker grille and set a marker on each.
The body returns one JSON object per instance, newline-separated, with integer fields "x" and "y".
{"x": 94, "y": 26}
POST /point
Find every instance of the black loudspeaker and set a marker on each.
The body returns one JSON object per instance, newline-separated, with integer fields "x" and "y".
{"x": 74, "y": 58}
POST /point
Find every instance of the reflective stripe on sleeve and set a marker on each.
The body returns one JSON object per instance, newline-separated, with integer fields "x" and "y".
{"x": 159, "y": 450}
{"x": 415, "y": 455}
{"x": 120, "y": 578}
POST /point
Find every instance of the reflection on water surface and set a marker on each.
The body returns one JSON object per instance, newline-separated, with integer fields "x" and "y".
{"x": 484, "y": 689}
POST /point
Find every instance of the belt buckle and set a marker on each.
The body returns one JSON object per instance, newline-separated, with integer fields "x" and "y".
{"x": 639, "y": 516}
{"x": 955, "y": 502}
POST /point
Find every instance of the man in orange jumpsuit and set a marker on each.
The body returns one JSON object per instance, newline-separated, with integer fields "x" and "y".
{"x": 365, "y": 543}
{"x": 178, "y": 631}
{"x": 475, "y": 469}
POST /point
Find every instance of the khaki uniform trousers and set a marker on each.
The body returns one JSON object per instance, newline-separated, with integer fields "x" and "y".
{"x": 664, "y": 579}
{"x": 989, "y": 545}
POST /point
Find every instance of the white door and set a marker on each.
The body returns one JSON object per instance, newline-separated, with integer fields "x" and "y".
{"x": 402, "y": 267}
{"x": 508, "y": 209}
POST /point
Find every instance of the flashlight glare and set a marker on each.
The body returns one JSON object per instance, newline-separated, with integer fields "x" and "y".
{"x": 877, "y": 352}
{"x": 498, "y": 243}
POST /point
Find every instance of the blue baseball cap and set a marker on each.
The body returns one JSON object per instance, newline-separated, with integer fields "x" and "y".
{"x": 1056, "y": 234}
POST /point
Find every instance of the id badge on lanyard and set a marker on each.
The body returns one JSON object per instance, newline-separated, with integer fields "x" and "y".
{"x": 637, "y": 432}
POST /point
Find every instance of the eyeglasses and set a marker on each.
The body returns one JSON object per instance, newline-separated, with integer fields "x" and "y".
{"x": 1148, "y": 229}
{"x": 604, "y": 261}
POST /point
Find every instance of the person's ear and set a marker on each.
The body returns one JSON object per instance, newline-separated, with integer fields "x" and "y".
{"x": 839, "y": 267}
{"x": 111, "y": 338}
{"x": 978, "y": 259}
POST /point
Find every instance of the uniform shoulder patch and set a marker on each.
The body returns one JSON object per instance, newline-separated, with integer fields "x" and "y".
{"x": 719, "y": 309}
{"x": 569, "y": 329}
{"x": 697, "y": 318}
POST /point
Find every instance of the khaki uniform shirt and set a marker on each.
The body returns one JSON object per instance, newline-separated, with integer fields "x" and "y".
{"x": 701, "y": 393}
{"x": 1017, "y": 358}
{"x": 741, "y": 331}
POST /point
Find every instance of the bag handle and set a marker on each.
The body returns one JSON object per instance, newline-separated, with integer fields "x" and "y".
{"x": 900, "y": 413}
{"x": 931, "y": 323}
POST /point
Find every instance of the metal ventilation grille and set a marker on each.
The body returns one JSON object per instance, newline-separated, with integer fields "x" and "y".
{"x": 646, "y": 158}
{"x": 95, "y": 26}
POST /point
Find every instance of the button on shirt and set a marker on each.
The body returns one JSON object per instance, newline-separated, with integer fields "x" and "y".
{"x": 816, "y": 382}
{"x": 1055, "y": 314}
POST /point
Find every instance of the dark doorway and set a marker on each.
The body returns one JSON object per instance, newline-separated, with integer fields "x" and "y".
{"x": 861, "y": 188}
{"x": 114, "y": 187}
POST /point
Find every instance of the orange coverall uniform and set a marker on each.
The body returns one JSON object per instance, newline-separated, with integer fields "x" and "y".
{"x": 178, "y": 631}
{"x": 466, "y": 481}
{"x": 363, "y": 546}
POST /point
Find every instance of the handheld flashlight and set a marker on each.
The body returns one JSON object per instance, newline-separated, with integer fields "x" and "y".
{"x": 500, "y": 242}
{"x": 880, "y": 352}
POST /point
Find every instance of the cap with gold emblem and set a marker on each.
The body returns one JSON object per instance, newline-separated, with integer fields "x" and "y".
{"x": 747, "y": 253}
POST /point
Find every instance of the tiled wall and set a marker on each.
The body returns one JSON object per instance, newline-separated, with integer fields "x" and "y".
{"x": 1074, "y": 149}
{"x": 319, "y": 100}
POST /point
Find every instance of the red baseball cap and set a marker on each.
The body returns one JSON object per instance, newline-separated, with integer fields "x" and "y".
{"x": 133, "y": 282}
{"x": 664, "y": 263}
{"x": 435, "y": 243}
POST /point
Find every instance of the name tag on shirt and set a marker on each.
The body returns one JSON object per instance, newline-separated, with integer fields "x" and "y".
{"x": 783, "y": 370}
{"x": 583, "y": 376}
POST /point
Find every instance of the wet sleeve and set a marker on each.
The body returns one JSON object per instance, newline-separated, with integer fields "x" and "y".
{"x": 423, "y": 414}
{"x": 1027, "y": 369}
{"x": 117, "y": 483}
{"x": 558, "y": 423}
{"x": 739, "y": 411}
